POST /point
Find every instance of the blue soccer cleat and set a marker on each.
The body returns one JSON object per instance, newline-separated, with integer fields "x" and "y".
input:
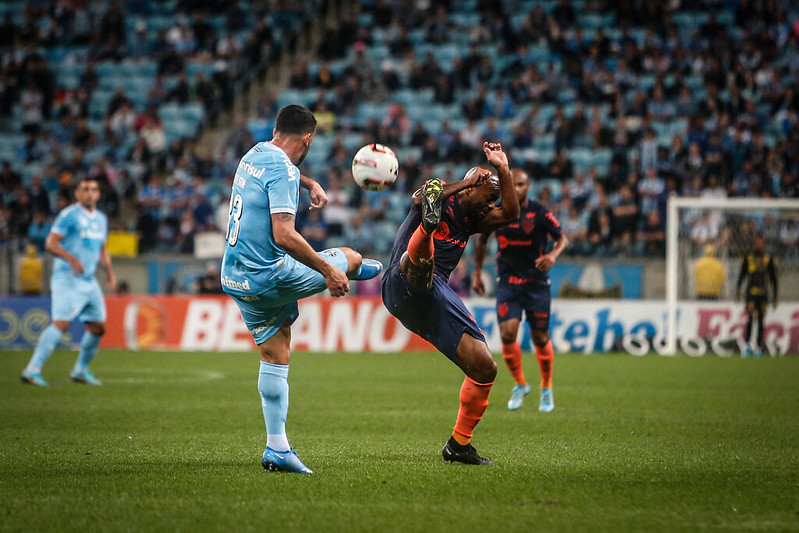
{"x": 747, "y": 352}
{"x": 369, "y": 268}
{"x": 283, "y": 462}
{"x": 33, "y": 378}
{"x": 85, "y": 377}
{"x": 756, "y": 354}
{"x": 546, "y": 404}
{"x": 517, "y": 396}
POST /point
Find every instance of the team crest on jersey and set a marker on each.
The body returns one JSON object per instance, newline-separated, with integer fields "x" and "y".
{"x": 528, "y": 224}
{"x": 442, "y": 231}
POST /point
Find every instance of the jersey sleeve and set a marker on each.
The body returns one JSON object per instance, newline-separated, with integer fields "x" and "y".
{"x": 283, "y": 188}
{"x": 550, "y": 222}
{"x": 63, "y": 222}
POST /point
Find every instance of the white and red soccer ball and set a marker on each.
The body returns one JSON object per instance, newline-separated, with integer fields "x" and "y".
{"x": 375, "y": 167}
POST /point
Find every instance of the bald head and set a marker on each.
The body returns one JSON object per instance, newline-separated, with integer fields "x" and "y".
{"x": 521, "y": 182}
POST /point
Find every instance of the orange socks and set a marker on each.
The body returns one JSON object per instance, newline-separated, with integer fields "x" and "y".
{"x": 512, "y": 353}
{"x": 474, "y": 400}
{"x": 421, "y": 247}
{"x": 545, "y": 356}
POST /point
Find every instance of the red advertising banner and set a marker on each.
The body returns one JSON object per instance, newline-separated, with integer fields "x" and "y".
{"x": 214, "y": 323}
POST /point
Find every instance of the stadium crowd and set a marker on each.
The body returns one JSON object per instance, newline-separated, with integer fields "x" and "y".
{"x": 611, "y": 107}
{"x": 122, "y": 90}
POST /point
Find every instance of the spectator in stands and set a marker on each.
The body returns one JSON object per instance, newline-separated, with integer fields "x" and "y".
{"x": 651, "y": 236}
{"x": 31, "y": 101}
{"x": 30, "y": 272}
{"x": 38, "y": 230}
{"x": 649, "y": 189}
{"x": 625, "y": 213}
{"x": 359, "y": 234}
{"x": 314, "y": 229}
{"x": 576, "y": 229}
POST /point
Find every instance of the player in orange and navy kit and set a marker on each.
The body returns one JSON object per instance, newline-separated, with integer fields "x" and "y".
{"x": 523, "y": 284}
{"x": 429, "y": 245}
{"x": 759, "y": 270}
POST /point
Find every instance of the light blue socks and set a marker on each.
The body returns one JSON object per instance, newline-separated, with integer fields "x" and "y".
{"x": 48, "y": 340}
{"x": 273, "y": 385}
{"x": 88, "y": 349}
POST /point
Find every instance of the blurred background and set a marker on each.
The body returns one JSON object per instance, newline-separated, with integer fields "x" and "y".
{"x": 611, "y": 107}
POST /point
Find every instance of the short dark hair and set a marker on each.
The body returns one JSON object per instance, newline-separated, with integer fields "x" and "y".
{"x": 295, "y": 120}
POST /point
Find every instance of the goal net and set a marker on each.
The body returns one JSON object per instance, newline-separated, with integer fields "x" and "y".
{"x": 707, "y": 240}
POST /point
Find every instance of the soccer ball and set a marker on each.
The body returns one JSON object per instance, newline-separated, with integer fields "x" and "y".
{"x": 375, "y": 167}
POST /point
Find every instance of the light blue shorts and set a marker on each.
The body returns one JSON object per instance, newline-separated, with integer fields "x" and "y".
{"x": 266, "y": 313}
{"x": 72, "y": 297}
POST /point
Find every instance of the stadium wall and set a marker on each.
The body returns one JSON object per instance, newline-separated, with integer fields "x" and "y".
{"x": 357, "y": 324}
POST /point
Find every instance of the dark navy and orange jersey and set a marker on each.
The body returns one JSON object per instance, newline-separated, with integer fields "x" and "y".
{"x": 450, "y": 238}
{"x": 521, "y": 243}
{"x": 437, "y": 315}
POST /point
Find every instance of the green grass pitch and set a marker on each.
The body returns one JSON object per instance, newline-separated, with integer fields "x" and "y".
{"x": 173, "y": 442}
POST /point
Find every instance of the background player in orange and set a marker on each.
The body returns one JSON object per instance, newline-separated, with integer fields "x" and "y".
{"x": 523, "y": 284}
{"x": 429, "y": 245}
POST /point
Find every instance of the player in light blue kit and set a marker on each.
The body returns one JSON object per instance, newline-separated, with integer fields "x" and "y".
{"x": 77, "y": 239}
{"x": 268, "y": 265}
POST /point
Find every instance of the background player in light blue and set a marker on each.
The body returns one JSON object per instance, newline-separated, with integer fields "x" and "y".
{"x": 268, "y": 265}
{"x": 77, "y": 240}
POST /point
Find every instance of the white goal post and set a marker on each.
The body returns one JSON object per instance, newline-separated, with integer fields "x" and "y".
{"x": 729, "y": 214}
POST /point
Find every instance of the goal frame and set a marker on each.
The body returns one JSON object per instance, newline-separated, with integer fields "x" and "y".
{"x": 676, "y": 203}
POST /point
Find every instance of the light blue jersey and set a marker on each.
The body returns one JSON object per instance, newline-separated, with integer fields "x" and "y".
{"x": 263, "y": 279}
{"x": 84, "y": 235}
{"x": 266, "y": 182}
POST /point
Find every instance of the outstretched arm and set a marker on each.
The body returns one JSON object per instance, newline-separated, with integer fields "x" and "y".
{"x": 509, "y": 210}
{"x": 480, "y": 249}
{"x": 474, "y": 177}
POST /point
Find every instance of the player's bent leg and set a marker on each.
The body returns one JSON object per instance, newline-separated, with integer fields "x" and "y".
{"x": 359, "y": 267}
{"x": 545, "y": 354}
{"x": 274, "y": 391}
{"x": 420, "y": 277}
{"x": 48, "y": 340}
{"x": 474, "y": 358}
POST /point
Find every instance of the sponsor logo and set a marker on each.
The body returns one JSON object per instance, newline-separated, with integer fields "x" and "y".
{"x": 515, "y": 280}
{"x": 233, "y": 284}
{"x": 504, "y": 242}
{"x": 89, "y": 234}
{"x": 262, "y": 326}
{"x": 249, "y": 298}
{"x": 251, "y": 170}
{"x": 442, "y": 234}
{"x": 240, "y": 181}
{"x": 145, "y": 324}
